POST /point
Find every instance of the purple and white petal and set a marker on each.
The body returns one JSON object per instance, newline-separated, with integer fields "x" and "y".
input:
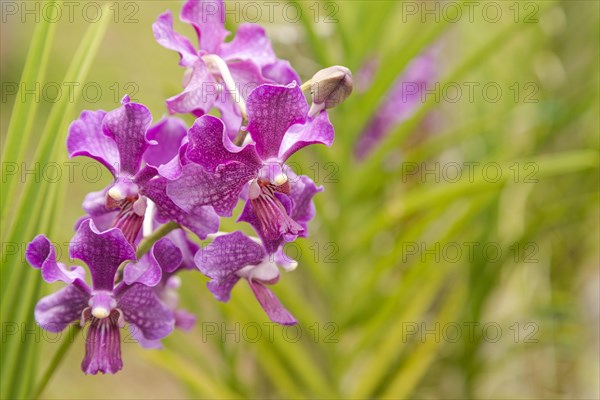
{"x": 127, "y": 126}
{"x": 103, "y": 252}
{"x": 141, "y": 307}
{"x": 56, "y": 311}
{"x": 201, "y": 220}
{"x": 209, "y": 146}
{"x": 316, "y": 131}
{"x": 197, "y": 188}
{"x": 271, "y": 304}
{"x": 167, "y": 37}
{"x": 208, "y": 19}
{"x": 228, "y": 254}
{"x": 40, "y": 253}
{"x": 272, "y": 109}
{"x": 86, "y": 138}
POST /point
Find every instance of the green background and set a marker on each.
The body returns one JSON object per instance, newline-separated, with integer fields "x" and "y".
{"x": 387, "y": 308}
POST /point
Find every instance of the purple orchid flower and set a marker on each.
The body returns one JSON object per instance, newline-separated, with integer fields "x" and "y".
{"x": 234, "y": 256}
{"x": 249, "y": 58}
{"x": 105, "y": 305}
{"x": 122, "y": 140}
{"x": 400, "y": 103}
{"x": 218, "y": 170}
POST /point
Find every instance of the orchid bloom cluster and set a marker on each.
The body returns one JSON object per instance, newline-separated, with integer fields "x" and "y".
{"x": 173, "y": 183}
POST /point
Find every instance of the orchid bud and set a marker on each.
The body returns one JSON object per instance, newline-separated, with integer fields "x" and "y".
{"x": 331, "y": 86}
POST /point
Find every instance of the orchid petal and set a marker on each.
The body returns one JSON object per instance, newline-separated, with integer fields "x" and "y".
{"x": 86, "y": 138}
{"x": 208, "y": 19}
{"x": 166, "y": 36}
{"x": 272, "y": 109}
{"x": 56, "y": 311}
{"x": 141, "y": 307}
{"x": 103, "y": 252}
{"x": 127, "y": 126}
{"x": 271, "y": 304}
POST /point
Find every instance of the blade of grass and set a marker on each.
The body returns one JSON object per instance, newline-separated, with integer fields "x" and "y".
{"x": 24, "y": 113}
{"x": 425, "y": 196}
{"x": 24, "y": 226}
{"x": 404, "y": 381}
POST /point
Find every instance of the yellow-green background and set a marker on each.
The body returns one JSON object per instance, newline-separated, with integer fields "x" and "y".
{"x": 373, "y": 290}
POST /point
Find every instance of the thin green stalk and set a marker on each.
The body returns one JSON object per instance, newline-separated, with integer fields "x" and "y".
{"x": 24, "y": 112}
{"x": 147, "y": 243}
{"x": 56, "y": 360}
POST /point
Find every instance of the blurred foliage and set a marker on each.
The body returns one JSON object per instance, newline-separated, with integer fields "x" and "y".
{"x": 362, "y": 288}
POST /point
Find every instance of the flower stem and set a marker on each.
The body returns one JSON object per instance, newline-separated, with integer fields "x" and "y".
{"x": 240, "y": 137}
{"x": 147, "y": 243}
{"x": 215, "y": 62}
{"x": 56, "y": 360}
{"x": 305, "y": 87}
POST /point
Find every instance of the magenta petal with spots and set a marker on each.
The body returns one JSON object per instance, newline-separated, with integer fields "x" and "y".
{"x": 303, "y": 208}
{"x": 167, "y": 37}
{"x": 40, "y": 253}
{"x": 221, "y": 259}
{"x": 315, "y": 131}
{"x": 202, "y": 220}
{"x": 85, "y": 138}
{"x": 103, "y": 252}
{"x": 227, "y": 254}
{"x": 127, "y": 126}
{"x": 281, "y": 72}
{"x": 233, "y": 256}
{"x": 208, "y": 19}
{"x": 141, "y": 307}
{"x": 250, "y": 43}
{"x": 187, "y": 247}
{"x": 209, "y": 146}
{"x": 199, "y": 94}
{"x": 272, "y": 109}
{"x": 197, "y": 188}
{"x": 168, "y": 133}
{"x": 56, "y": 311}
{"x": 164, "y": 256}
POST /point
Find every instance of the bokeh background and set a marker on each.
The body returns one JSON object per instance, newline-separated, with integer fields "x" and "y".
{"x": 458, "y": 260}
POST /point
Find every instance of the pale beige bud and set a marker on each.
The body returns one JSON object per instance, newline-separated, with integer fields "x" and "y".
{"x": 331, "y": 86}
